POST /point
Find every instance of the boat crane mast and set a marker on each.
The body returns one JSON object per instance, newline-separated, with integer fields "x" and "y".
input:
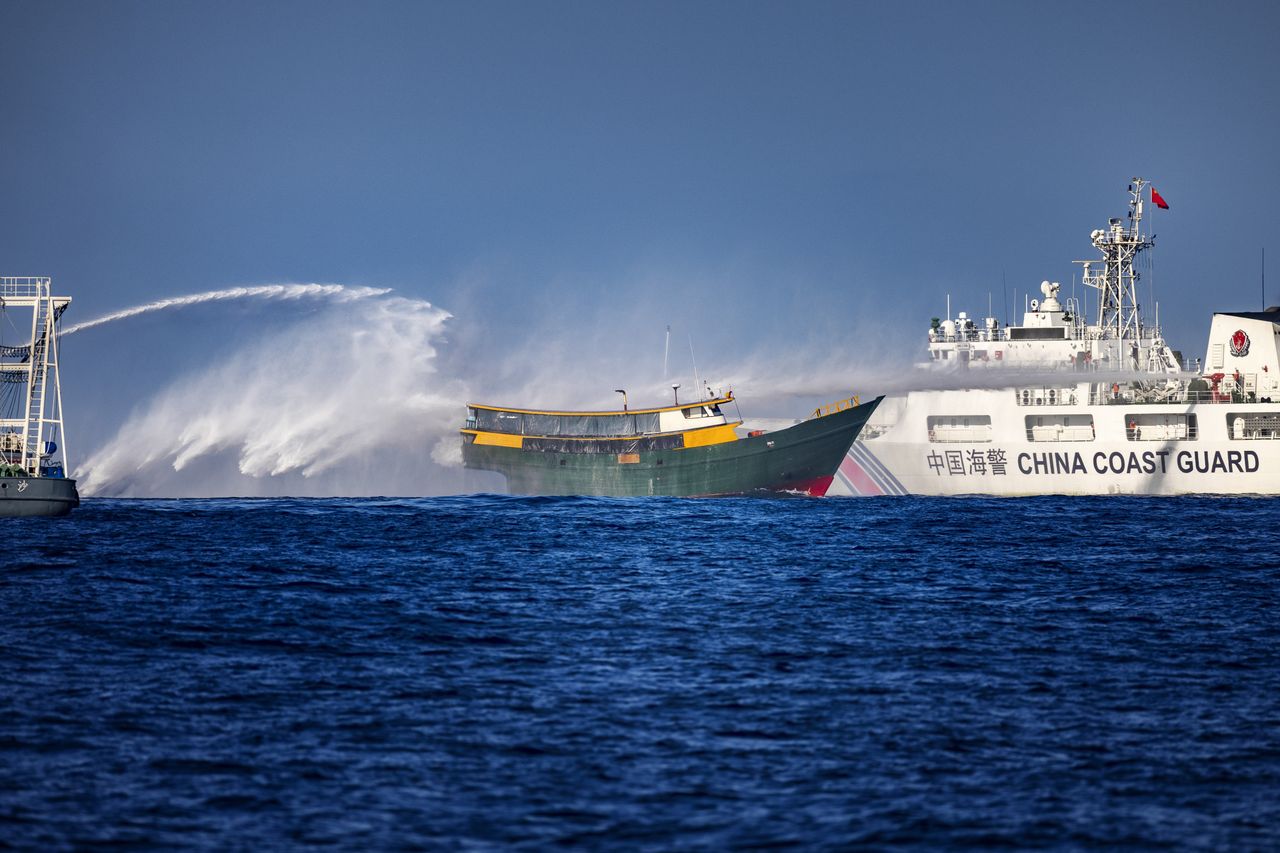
{"x": 1117, "y": 281}
{"x": 37, "y": 370}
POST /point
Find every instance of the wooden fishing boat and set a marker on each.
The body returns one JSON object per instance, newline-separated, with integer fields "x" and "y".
{"x": 690, "y": 449}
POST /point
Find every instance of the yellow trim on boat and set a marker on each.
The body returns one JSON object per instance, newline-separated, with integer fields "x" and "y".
{"x": 499, "y": 439}
{"x": 719, "y": 434}
{"x": 728, "y": 398}
{"x": 838, "y": 406}
{"x": 711, "y": 435}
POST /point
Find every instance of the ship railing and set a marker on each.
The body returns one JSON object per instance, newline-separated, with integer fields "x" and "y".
{"x": 1127, "y": 396}
{"x": 1225, "y": 395}
{"x": 971, "y": 335}
{"x": 838, "y": 406}
{"x": 1074, "y": 332}
{"x": 1220, "y": 396}
{"x": 18, "y": 287}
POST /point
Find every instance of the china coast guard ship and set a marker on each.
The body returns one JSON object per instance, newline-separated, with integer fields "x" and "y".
{"x": 33, "y": 468}
{"x": 1087, "y": 408}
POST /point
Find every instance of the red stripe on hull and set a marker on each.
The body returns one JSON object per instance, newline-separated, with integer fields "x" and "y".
{"x": 858, "y": 478}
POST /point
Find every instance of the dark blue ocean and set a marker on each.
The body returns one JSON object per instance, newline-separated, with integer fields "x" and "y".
{"x": 654, "y": 674}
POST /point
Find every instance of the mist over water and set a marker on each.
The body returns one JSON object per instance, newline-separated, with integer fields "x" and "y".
{"x": 363, "y": 393}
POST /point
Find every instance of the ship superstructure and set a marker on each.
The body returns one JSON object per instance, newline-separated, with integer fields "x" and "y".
{"x": 1088, "y": 407}
{"x": 1055, "y": 334}
{"x": 33, "y": 460}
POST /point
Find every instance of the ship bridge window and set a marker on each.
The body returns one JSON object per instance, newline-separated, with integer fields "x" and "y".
{"x": 1248, "y": 426}
{"x": 1149, "y": 426}
{"x": 1060, "y": 428}
{"x": 959, "y": 428}
{"x": 700, "y": 412}
{"x": 1038, "y": 333}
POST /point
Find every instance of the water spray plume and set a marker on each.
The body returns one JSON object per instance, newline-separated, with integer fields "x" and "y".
{"x": 336, "y": 292}
{"x": 331, "y": 394}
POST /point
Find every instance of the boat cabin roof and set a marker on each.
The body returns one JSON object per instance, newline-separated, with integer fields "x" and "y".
{"x": 727, "y": 398}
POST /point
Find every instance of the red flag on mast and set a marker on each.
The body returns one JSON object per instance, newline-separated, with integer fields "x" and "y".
{"x": 1158, "y": 200}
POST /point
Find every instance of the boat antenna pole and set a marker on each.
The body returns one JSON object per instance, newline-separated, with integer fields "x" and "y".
{"x": 696, "y": 382}
{"x": 666, "y": 351}
{"x": 1004, "y": 296}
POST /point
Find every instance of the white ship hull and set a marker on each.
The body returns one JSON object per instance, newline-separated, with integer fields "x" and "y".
{"x": 1100, "y": 454}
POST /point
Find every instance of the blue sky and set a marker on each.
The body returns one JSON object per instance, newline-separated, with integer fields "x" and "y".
{"x": 772, "y": 176}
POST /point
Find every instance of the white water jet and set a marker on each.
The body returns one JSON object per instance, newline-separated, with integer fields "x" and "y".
{"x": 335, "y": 292}
{"x": 333, "y": 392}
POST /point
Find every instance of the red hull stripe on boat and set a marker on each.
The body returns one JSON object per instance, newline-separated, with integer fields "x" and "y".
{"x": 816, "y": 487}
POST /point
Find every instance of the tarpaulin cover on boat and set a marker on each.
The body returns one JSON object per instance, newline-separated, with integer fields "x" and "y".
{"x": 616, "y": 445}
{"x": 524, "y": 423}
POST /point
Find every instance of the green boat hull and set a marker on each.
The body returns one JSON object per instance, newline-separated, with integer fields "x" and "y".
{"x": 801, "y": 458}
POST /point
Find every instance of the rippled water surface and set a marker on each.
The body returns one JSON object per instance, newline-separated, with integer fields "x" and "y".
{"x": 489, "y": 672}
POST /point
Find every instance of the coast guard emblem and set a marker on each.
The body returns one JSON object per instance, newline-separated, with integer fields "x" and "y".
{"x": 1239, "y": 344}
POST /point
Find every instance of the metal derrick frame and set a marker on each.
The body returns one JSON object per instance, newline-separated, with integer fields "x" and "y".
{"x": 1117, "y": 281}
{"x": 39, "y": 411}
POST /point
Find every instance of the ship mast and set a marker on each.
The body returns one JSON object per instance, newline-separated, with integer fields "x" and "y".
{"x": 1116, "y": 280}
